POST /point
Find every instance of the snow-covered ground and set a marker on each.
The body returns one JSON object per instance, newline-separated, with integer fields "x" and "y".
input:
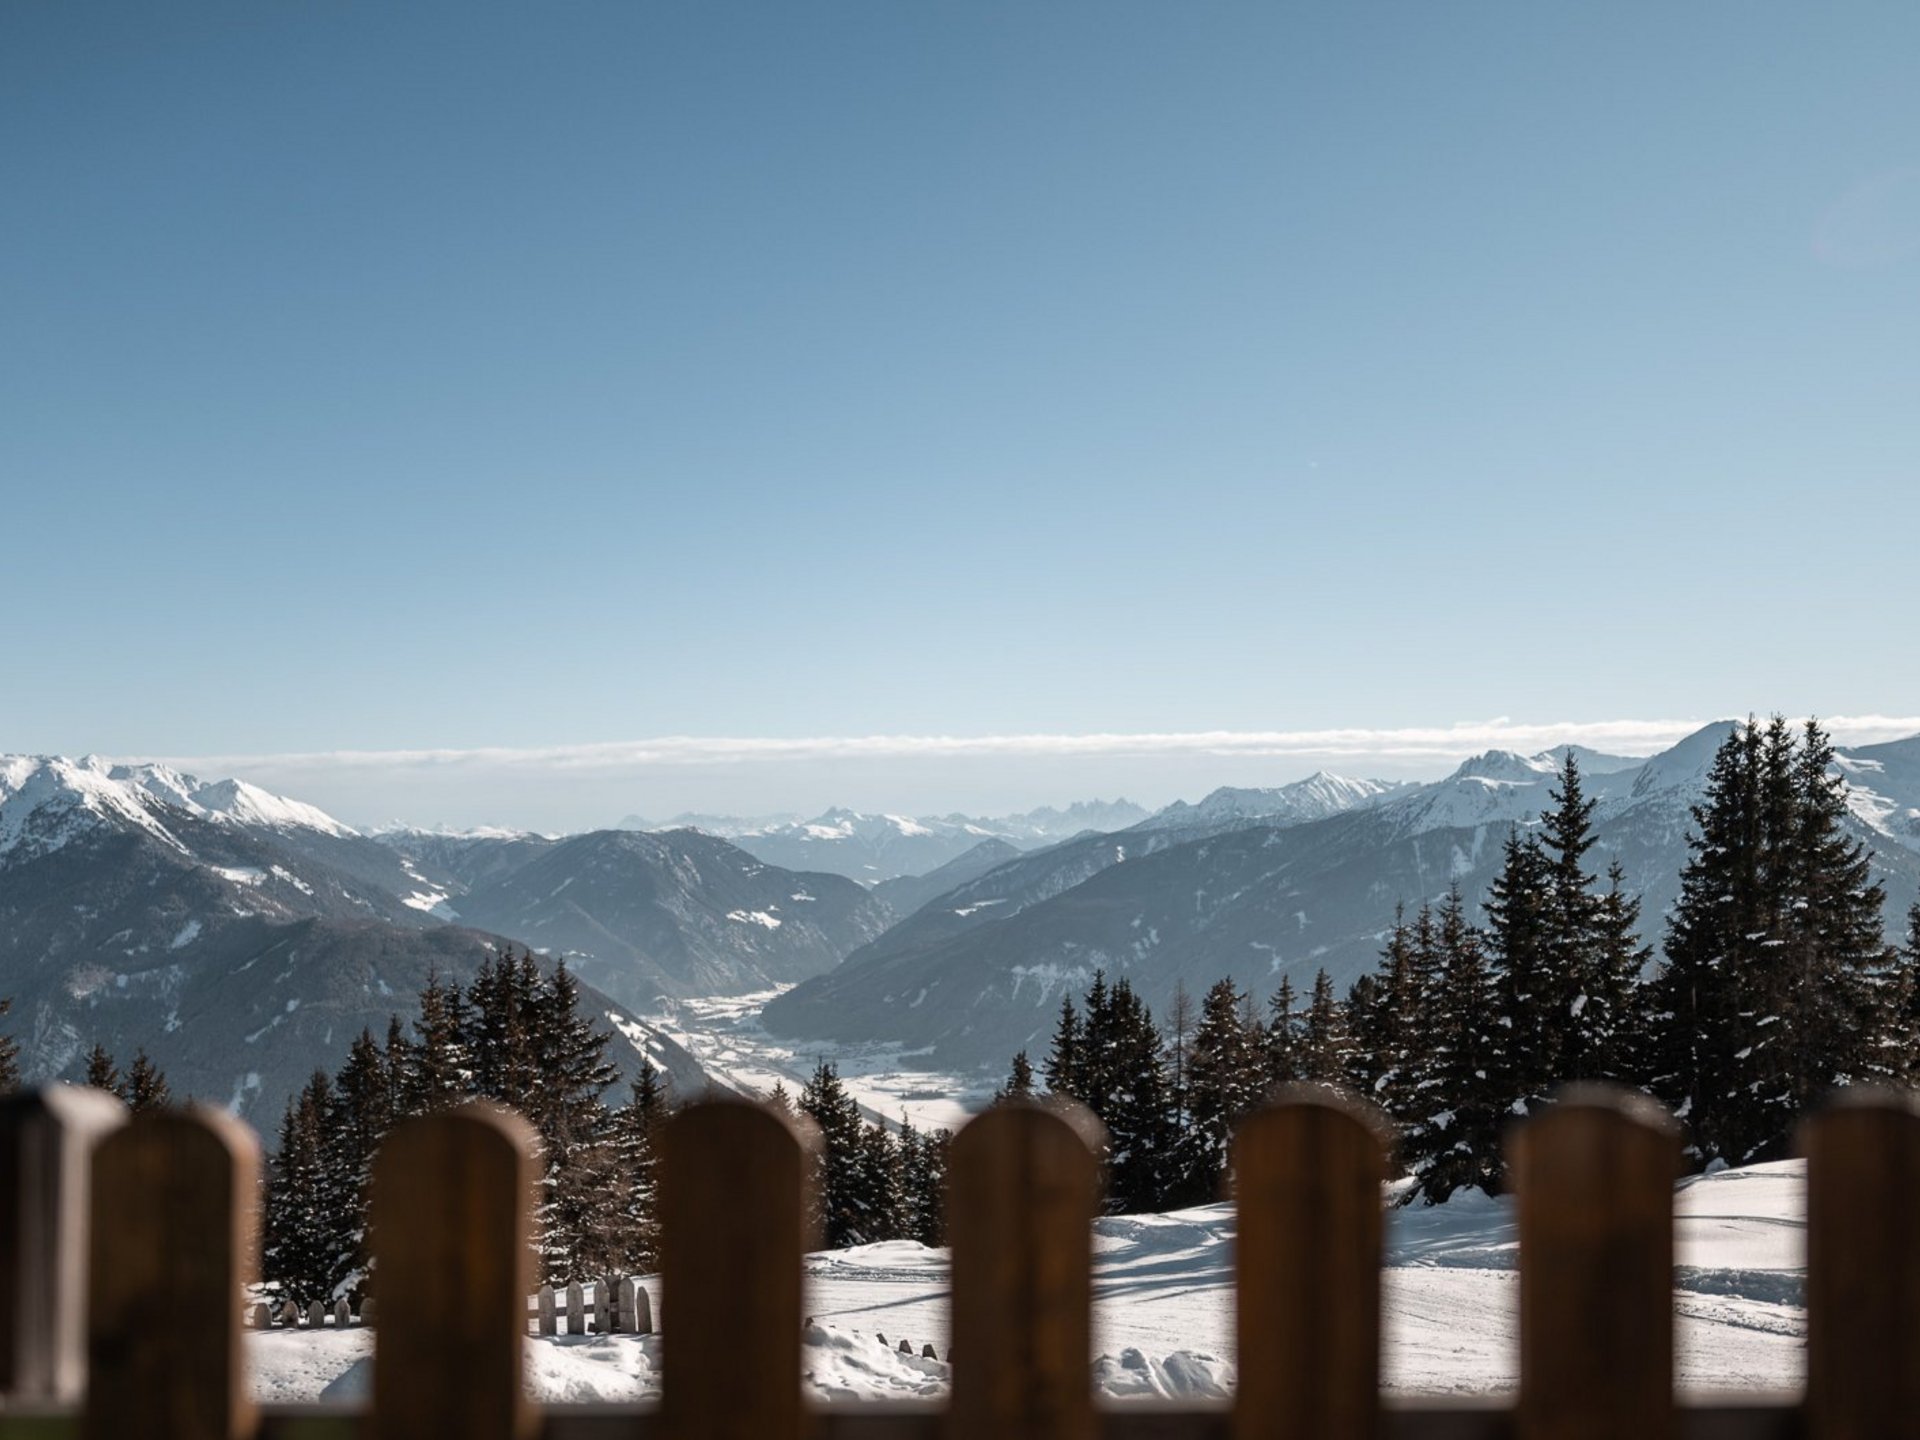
{"x": 724, "y": 1035}
{"x": 1163, "y": 1321}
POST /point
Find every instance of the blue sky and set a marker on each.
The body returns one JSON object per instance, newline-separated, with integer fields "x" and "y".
{"x": 455, "y": 377}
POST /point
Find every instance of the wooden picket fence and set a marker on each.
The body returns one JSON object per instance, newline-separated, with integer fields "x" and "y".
{"x": 120, "y": 1316}
{"x": 618, "y": 1305}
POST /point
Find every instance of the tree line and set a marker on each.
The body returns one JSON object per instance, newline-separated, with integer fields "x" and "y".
{"x": 1775, "y": 983}
{"x": 514, "y": 1035}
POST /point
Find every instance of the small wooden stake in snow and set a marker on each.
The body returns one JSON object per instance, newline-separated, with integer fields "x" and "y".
{"x": 1307, "y": 1173}
{"x": 733, "y": 1186}
{"x": 46, "y": 1160}
{"x": 549, "y": 1320}
{"x": 1023, "y": 1191}
{"x": 451, "y": 1216}
{"x": 576, "y": 1309}
{"x": 638, "y": 1306}
{"x": 165, "y": 1275}
{"x": 1863, "y": 1267}
{"x": 1594, "y": 1176}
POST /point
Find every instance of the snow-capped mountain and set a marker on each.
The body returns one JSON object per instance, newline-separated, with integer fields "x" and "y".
{"x": 1884, "y": 787}
{"x": 1314, "y": 798}
{"x": 978, "y": 973}
{"x": 876, "y": 847}
{"x": 244, "y": 938}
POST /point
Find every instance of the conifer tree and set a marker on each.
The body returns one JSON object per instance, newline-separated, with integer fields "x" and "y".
{"x": 1842, "y": 977}
{"x": 636, "y": 1131}
{"x": 914, "y": 1180}
{"x": 562, "y": 1099}
{"x": 1127, "y": 1067}
{"x": 1609, "y": 1020}
{"x": 1452, "y": 1141}
{"x": 1364, "y": 1035}
{"x": 145, "y": 1087}
{"x": 1778, "y": 982}
{"x": 1390, "y": 1023}
{"x": 1573, "y": 1028}
{"x": 1226, "y": 1079}
{"x": 308, "y": 1241}
{"x": 9, "y": 1055}
{"x": 1283, "y": 1035}
{"x": 1095, "y": 1072}
{"x": 1323, "y": 1041}
{"x": 1019, "y": 1084}
{"x": 845, "y": 1192}
{"x": 364, "y": 1108}
{"x": 1063, "y": 1064}
{"x": 501, "y": 1040}
{"x": 1691, "y": 1003}
{"x": 1518, "y": 904}
{"x": 880, "y": 1180}
{"x": 439, "y": 1070}
{"x": 102, "y": 1073}
{"x": 930, "y": 1219}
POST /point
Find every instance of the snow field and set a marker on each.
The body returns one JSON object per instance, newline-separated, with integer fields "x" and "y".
{"x": 1163, "y": 1309}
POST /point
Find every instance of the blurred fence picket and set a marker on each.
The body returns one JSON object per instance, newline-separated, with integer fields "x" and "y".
{"x": 47, "y": 1139}
{"x": 1593, "y": 1180}
{"x": 1863, "y": 1268}
{"x": 734, "y": 1188}
{"x": 1024, "y": 1189}
{"x": 1307, "y": 1177}
{"x": 175, "y": 1200}
{"x": 451, "y": 1222}
{"x": 168, "y": 1237}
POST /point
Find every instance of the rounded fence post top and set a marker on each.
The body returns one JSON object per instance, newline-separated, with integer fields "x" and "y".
{"x": 1320, "y": 1096}
{"x": 193, "y": 1124}
{"x": 1040, "y": 1115}
{"x": 1881, "y": 1099}
{"x": 746, "y": 1117}
{"x": 71, "y": 1104}
{"x": 1585, "y": 1098}
{"x": 486, "y": 1117}
{"x": 1890, "y": 1104}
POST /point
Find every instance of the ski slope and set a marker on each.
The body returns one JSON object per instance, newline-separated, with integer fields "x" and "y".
{"x": 1163, "y": 1321}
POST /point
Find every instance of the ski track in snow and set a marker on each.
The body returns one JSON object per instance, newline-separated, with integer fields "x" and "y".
{"x": 1163, "y": 1297}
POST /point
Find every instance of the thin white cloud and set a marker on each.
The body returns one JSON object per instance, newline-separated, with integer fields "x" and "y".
{"x": 1406, "y": 745}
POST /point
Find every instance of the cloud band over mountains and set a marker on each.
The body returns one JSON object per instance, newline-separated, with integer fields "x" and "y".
{"x": 1403, "y": 745}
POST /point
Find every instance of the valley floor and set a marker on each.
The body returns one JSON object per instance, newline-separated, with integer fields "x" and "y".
{"x": 724, "y": 1034}
{"x": 1164, "y": 1308}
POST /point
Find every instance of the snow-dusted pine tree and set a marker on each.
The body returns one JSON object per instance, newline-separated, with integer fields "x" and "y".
{"x": 1226, "y": 1079}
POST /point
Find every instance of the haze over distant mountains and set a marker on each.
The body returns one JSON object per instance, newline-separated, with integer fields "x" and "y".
{"x": 243, "y": 938}
{"x": 873, "y": 848}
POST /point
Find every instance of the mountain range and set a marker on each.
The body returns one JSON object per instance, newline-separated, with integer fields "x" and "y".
{"x": 873, "y": 848}
{"x": 240, "y": 938}
{"x": 244, "y": 938}
{"x": 1260, "y": 885}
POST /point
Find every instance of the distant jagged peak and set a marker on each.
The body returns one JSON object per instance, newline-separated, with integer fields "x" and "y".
{"x": 1316, "y": 797}
{"x": 232, "y": 801}
{"x": 48, "y": 800}
{"x": 1508, "y": 767}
